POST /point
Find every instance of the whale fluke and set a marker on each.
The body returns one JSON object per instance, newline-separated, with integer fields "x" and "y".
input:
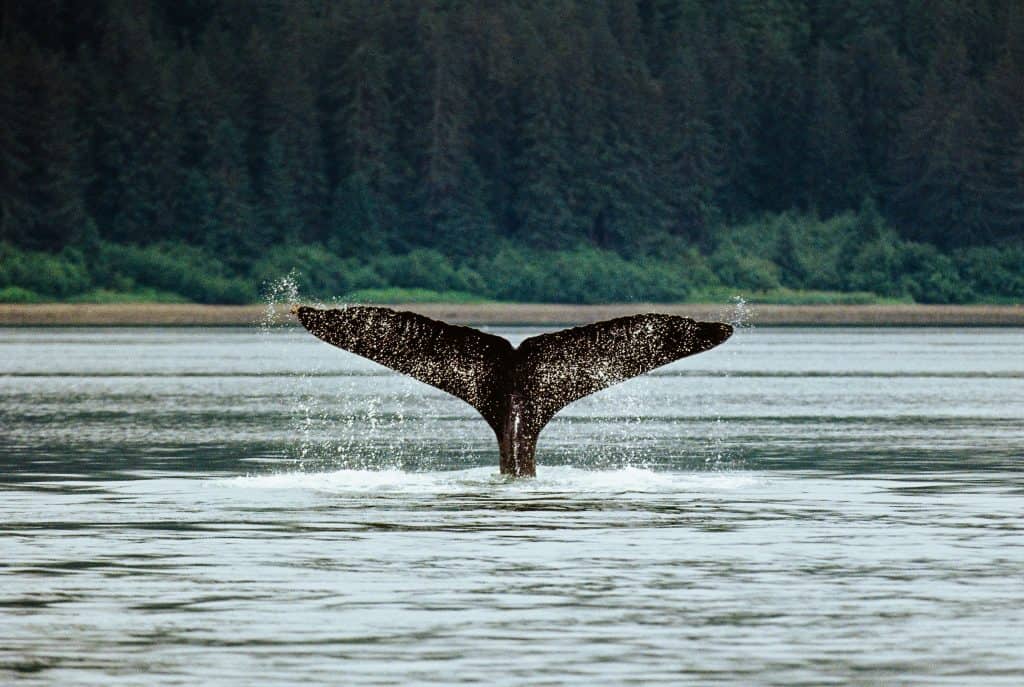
{"x": 516, "y": 390}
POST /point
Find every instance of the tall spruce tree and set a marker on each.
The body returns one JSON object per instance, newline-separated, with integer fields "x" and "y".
{"x": 454, "y": 190}
{"x": 831, "y": 177}
{"x": 543, "y": 209}
{"x": 940, "y": 163}
{"x": 234, "y": 234}
{"x": 45, "y": 205}
{"x": 364, "y": 166}
{"x": 13, "y": 154}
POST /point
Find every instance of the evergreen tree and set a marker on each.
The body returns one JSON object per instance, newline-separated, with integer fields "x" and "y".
{"x": 874, "y": 81}
{"x": 13, "y": 160}
{"x": 692, "y": 149}
{"x": 543, "y": 208}
{"x": 830, "y": 180}
{"x": 734, "y": 120}
{"x": 940, "y": 163}
{"x": 43, "y": 207}
{"x": 133, "y": 146}
{"x": 292, "y": 166}
{"x": 281, "y": 203}
{"x": 362, "y": 158}
{"x": 194, "y": 209}
{"x": 234, "y": 233}
{"x": 1002, "y": 183}
{"x": 781, "y": 117}
{"x": 455, "y": 195}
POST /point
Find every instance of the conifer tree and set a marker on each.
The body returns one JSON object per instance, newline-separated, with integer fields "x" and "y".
{"x": 544, "y": 213}
{"x": 293, "y": 166}
{"x": 13, "y": 163}
{"x": 234, "y": 232}
{"x": 692, "y": 150}
{"x": 1002, "y": 125}
{"x": 940, "y": 162}
{"x": 830, "y": 179}
{"x": 455, "y": 195}
{"x": 362, "y": 160}
{"x": 46, "y": 210}
{"x": 194, "y": 209}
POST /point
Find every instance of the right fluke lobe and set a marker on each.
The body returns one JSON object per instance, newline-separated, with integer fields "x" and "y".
{"x": 567, "y": 365}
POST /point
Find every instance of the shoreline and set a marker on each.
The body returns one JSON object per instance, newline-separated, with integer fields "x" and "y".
{"x": 162, "y": 314}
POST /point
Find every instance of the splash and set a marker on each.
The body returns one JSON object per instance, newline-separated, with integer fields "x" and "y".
{"x": 310, "y": 414}
{"x": 740, "y": 315}
{"x": 721, "y": 452}
{"x": 333, "y": 422}
{"x": 279, "y": 296}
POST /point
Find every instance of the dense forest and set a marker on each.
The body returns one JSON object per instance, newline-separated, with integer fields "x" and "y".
{"x": 560, "y": 150}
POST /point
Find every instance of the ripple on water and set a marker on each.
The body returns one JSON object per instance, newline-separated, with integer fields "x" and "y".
{"x": 873, "y": 536}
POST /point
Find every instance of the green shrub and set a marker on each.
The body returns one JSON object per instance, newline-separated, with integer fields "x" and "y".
{"x": 781, "y": 258}
{"x": 399, "y": 295}
{"x": 319, "y": 272}
{"x": 174, "y": 268}
{"x": 16, "y": 294}
{"x": 931, "y": 277}
{"x": 994, "y": 272}
{"x": 696, "y": 268}
{"x": 742, "y": 271}
{"x": 583, "y": 275}
{"x": 422, "y": 269}
{"x": 876, "y": 266}
{"x": 513, "y": 275}
{"x": 57, "y": 275}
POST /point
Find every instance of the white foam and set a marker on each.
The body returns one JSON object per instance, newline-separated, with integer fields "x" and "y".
{"x": 390, "y": 479}
{"x": 560, "y": 479}
{"x": 636, "y": 479}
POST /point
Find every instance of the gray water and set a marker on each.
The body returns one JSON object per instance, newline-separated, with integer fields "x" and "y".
{"x": 230, "y": 507}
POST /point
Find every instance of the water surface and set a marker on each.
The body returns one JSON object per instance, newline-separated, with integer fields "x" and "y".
{"x": 799, "y": 506}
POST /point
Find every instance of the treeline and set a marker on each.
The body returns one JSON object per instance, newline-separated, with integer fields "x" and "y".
{"x": 851, "y": 258}
{"x": 616, "y": 136}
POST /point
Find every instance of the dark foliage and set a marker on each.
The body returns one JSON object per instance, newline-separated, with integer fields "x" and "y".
{"x": 592, "y": 144}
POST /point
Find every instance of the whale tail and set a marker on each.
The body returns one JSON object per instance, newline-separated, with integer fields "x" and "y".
{"x": 516, "y": 390}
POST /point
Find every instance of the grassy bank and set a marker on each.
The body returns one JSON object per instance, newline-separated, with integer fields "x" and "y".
{"x": 521, "y": 314}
